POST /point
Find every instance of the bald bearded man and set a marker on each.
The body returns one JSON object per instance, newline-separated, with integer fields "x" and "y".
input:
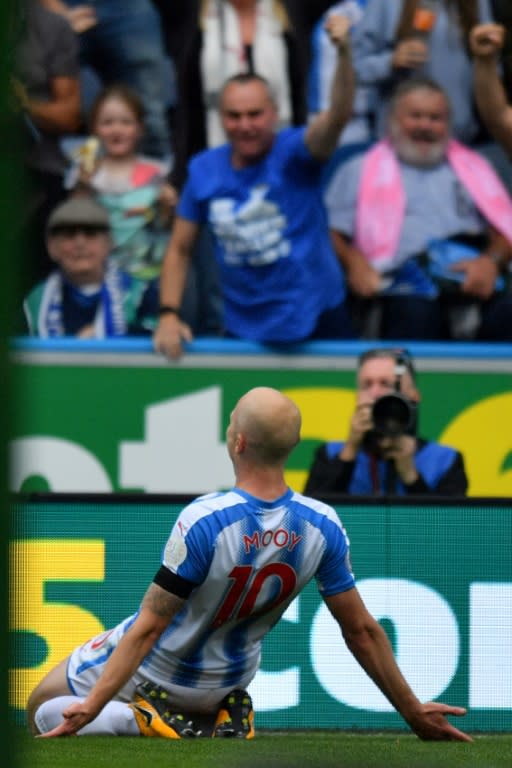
{"x": 232, "y": 565}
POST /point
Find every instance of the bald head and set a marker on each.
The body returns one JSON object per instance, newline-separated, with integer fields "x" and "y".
{"x": 265, "y": 426}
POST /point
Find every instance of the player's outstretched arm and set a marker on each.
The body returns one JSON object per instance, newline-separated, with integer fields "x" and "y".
{"x": 431, "y": 724}
{"x": 157, "y": 610}
{"x": 369, "y": 643}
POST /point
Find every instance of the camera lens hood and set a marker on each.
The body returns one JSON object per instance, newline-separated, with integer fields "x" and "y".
{"x": 393, "y": 415}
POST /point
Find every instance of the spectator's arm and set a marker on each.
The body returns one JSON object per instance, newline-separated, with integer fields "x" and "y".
{"x": 80, "y": 17}
{"x": 57, "y": 6}
{"x": 486, "y": 41}
{"x": 323, "y": 132}
{"x": 171, "y": 331}
{"x": 362, "y": 278}
{"x": 374, "y": 43}
{"x": 498, "y": 249}
{"x": 61, "y": 114}
{"x": 480, "y": 274}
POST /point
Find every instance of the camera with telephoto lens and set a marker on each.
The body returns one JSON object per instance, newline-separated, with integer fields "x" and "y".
{"x": 394, "y": 415}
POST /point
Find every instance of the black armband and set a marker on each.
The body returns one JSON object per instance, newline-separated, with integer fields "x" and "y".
{"x": 173, "y": 583}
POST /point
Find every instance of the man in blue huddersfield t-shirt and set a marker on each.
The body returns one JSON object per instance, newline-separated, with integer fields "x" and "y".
{"x": 260, "y": 195}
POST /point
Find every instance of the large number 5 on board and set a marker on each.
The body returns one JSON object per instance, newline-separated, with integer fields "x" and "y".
{"x": 62, "y": 626}
{"x": 248, "y": 582}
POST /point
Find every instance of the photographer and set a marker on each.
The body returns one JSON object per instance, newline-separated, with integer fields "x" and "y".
{"x": 382, "y": 454}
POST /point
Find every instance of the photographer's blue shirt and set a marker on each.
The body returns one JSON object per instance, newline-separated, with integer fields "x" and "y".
{"x": 432, "y": 462}
{"x": 278, "y": 269}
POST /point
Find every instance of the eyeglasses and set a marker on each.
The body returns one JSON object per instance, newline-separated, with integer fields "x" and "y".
{"x": 72, "y": 230}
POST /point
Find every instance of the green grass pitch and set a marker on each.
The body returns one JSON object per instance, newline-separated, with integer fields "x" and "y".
{"x": 311, "y": 749}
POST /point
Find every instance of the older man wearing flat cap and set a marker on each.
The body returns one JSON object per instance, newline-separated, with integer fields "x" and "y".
{"x": 87, "y": 295}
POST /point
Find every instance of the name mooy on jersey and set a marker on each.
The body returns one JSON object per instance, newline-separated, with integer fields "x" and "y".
{"x": 280, "y": 538}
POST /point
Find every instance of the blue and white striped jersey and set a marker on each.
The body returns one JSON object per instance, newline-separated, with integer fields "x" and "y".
{"x": 250, "y": 559}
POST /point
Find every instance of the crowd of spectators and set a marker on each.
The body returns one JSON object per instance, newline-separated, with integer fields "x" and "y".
{"x": 379, "y": 133}
{"x": 432, "y": 269}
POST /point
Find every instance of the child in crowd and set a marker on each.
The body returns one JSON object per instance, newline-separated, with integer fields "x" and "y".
{"x": 133, "y": 188}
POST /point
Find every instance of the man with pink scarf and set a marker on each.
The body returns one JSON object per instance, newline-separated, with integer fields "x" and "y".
{"x": 423, "y": 228}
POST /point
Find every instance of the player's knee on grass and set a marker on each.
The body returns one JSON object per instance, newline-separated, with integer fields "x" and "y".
{"x": 54, "y": 684}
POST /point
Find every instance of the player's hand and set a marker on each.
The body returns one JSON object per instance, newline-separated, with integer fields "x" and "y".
{"x": 486, "y": 40}
{"x": 430, "y": 723}
{"x": 479, "y": 276}
{"x": 75, "y": 717}
{"x": 170, "y": 335}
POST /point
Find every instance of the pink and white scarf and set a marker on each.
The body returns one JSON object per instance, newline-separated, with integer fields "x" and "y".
{"x": 381, "y": 199}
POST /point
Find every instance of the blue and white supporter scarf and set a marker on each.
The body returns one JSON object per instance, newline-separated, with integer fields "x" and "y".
{"x": 109, "y": 319}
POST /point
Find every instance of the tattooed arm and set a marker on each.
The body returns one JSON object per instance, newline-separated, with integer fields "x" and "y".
{"x": 157, "y": 610}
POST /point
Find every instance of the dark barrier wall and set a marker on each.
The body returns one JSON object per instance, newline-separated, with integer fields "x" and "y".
{"x": 439, "y": 578}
